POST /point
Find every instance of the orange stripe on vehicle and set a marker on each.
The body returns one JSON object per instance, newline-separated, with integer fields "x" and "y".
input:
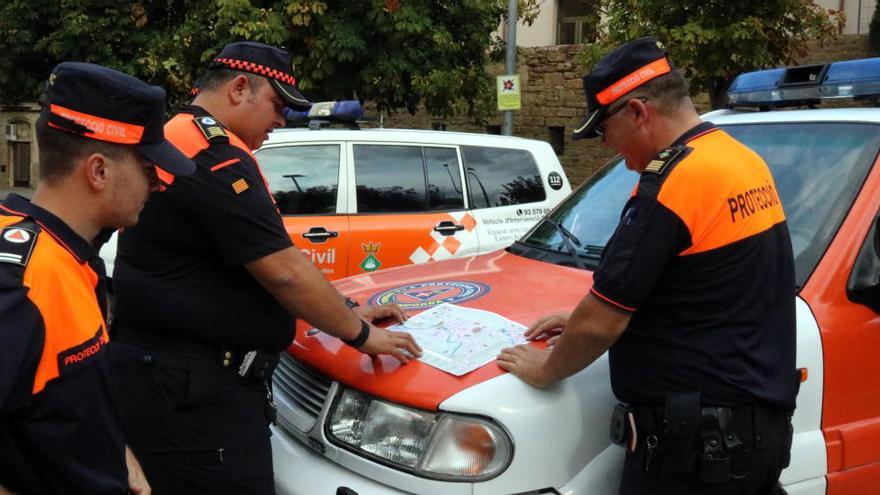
{"x": 633, "y": 81}
{"x": 224, "y": 164}
{"x": 736, "y": 199}
{"x": 112, "y": 131}
{"x": 610, "y": 301}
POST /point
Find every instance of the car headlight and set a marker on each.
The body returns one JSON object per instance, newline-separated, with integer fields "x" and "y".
{"x": 434, "y": 445}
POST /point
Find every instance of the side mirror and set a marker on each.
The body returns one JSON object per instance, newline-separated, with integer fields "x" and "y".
{"x": 863, "y": 286}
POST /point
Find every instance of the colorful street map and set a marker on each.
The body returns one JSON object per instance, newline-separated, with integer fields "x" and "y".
{"x": 459, "y": 340}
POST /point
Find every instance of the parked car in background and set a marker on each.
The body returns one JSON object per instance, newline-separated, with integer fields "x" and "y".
{"x": 373, "y": 426}
{"x": 356, "y": 201}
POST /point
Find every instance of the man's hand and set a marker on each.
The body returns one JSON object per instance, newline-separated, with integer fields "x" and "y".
{"x": 381, "y": 312}
{"x": 549, "y": 327}
{"x": 526, "y": 362}
{"x": 401, "y": 345}
{"x": 137, "y": 481}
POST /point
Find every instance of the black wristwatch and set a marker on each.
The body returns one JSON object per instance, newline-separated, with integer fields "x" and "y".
{"x": 351, "y": 303}
{"x": 362, "y": 337}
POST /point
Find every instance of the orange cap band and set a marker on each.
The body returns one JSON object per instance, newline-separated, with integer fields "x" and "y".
{"x": 102, "y": 129}
{"x": 633, "y": 81}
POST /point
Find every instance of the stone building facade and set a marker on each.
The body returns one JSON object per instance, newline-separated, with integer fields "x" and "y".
{"x": 18, "y": 147}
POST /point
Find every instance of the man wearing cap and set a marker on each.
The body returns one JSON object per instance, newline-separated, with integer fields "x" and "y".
{"x": 207, "y": 287}
{"x": 99, "y": 135}
{"x": 695, "y": 305}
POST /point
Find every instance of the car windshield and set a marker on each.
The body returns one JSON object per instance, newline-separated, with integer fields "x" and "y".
{"x": 818, "y": 167}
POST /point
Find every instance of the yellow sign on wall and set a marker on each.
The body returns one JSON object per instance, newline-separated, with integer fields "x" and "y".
{"x": 508, "y": 92}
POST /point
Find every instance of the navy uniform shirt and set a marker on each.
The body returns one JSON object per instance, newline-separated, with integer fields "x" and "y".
{"x": 180, "y": 271}
{"x": 59, "y": 432}
{"x": 703, "y": 259}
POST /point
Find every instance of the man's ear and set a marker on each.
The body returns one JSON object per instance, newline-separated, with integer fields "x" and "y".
{"x": 238, "y": 89}
{"x": 96, "y": 171}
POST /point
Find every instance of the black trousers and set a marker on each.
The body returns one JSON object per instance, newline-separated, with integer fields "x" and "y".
{"x": 754, "y": 469}
{"x": 194, "y": 426}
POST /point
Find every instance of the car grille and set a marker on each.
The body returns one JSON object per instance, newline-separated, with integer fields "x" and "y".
{"x": 300, "y": 388}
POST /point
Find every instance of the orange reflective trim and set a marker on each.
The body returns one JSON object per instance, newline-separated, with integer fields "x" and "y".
{"x": 112, "y": 131}
{"x": 63, "y": 290}
{"x": 633, "y": 81}
{"x": 723, "y": 192}
{"x": 224, "y": 164}
{"x": 610, "y": 301}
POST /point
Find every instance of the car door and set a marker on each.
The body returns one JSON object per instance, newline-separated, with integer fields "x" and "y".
{"x": 410, "y": 206}
{"x": 306, "y": 179}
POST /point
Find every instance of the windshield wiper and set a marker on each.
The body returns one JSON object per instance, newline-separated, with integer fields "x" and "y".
{"x": 570, "y": 242}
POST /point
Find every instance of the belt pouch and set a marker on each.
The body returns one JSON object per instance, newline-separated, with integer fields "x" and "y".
{"x": 681, "y": 418}
{"x": 618, "y": 424}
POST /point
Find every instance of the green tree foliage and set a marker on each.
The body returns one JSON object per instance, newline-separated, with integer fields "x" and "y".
{"x": 397, "y": 53}
{"x": 715, "y": 40}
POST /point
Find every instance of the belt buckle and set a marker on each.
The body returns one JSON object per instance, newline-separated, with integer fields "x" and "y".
{"x": 246, "y": 363}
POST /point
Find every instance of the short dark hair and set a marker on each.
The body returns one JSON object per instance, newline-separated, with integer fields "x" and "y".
{"x": 217, "y": 76}
{"x": 668, "y": 92}
{"x": 60, "y": 150}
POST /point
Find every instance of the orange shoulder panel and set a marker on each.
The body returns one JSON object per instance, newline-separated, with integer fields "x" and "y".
{"x": 181, "y": 131}
{"x": 722, "y": 191}
{"x": 63, "y": 290}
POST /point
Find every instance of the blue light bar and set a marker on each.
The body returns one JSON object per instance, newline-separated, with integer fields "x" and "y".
{"x": 807, "y": 84}
{"x": 853, "y": 79}
{"x": 756, "y": 88}
{"x": 343, "y": 111}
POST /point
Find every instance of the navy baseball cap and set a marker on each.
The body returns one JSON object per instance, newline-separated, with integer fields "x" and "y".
{"x": 621, "y": 71}
{"x": 100, "y": 103}
{"x": 273, "y": 63}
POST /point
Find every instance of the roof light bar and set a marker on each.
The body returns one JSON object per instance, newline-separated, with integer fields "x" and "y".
{"x": 325, "y": 112}
{"x": 806, "y": 85}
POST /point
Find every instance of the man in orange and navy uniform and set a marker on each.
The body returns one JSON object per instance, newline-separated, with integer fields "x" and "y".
{"x": 693, "y": 298}
{"x": 206, "y": 288}
{"x": 99, "y": 134}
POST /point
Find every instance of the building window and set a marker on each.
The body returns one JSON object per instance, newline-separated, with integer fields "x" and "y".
{"x": 576, "y": 22}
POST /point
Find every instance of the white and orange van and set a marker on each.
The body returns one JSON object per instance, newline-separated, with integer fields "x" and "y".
{"x": 356, "y": 201}
{"x": 349, "y": 424}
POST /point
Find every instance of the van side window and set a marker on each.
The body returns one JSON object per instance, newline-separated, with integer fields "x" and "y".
{"x": 501, "y": 177}
{"x": 444, "y": 179}
{"x": 303, "y": 179}
{"x": 406, "y": 179}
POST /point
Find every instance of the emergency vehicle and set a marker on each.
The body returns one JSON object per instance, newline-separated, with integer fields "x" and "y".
{"x": 360, "y": 200}
{"x": 354, "y": 425}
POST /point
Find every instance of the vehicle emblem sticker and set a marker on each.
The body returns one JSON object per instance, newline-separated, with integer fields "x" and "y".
{"x": 555, "y": 181}
{"x": 428, "y": 294}
{"x": 371, "y": 263}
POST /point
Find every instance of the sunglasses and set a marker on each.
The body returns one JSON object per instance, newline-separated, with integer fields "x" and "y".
{"x": 600, "y": 127}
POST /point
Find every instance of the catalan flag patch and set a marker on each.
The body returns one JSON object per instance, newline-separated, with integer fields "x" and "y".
{"x": 240, "y": 186}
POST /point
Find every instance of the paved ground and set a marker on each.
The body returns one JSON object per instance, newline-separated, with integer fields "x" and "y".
{"x": 24, "y": 191}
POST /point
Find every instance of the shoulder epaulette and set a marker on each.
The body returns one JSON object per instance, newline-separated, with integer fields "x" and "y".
{"x": 212, "y": 129}
{"x": 17, "y": 242}
{"x": 659, "y": 164}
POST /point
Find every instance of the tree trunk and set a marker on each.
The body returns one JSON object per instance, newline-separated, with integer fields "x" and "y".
{"x": 717, "y": 89}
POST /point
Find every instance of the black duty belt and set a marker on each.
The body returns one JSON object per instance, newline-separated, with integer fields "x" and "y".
{"x": 248, "y": 364}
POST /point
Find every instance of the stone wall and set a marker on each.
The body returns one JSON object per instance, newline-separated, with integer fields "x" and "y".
{"x": 553, "y": 102}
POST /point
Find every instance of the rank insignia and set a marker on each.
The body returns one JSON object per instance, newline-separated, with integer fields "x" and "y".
{"x": 240, "y": 186}
{"x": 664, "y": 158}
{"x": 210, "y": 128}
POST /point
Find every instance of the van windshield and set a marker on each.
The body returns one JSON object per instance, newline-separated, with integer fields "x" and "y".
{"x": 818, "y": 167}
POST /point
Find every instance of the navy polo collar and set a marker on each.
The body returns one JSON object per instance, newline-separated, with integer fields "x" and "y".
{"x": 79, "y": 247}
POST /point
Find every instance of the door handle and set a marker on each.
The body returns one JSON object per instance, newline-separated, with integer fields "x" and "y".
{"x": 448, "y": 228}
{"x": 319, "y": 234}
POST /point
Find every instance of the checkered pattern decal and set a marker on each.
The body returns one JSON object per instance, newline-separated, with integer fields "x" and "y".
{"x": 257, "y": 69}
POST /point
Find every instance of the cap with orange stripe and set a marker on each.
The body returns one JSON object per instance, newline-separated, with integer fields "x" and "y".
{"x": 273, "y": 63}
{"x": 621, "y": 71}
{"x": 100, "y": 103}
